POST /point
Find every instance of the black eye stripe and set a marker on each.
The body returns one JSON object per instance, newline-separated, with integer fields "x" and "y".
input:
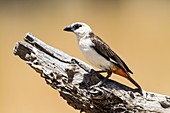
{"x": 76, "y": 26}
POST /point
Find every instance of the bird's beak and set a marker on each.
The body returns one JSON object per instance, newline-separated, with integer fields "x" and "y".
{"x": 68, "y": 28}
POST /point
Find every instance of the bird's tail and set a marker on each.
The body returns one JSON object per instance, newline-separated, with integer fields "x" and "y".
{"x": 134, "y": 82}
{"x": 125, "y": 74}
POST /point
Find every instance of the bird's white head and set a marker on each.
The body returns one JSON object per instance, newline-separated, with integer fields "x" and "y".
{"x": 80, "y": 29}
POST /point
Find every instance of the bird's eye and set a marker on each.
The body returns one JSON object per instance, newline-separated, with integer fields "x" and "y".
{"x": 76, "y": 26}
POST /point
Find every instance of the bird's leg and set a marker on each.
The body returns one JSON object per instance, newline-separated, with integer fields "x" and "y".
{"x": 101, "y": 71}
{"x": 97, "y": 73}
{"x": 109, "y": 73}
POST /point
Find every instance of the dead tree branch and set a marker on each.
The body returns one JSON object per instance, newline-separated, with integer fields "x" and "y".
{"x": 74, "y": 80}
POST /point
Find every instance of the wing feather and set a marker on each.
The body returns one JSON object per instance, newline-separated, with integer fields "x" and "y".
{"x": 103, "y": 49}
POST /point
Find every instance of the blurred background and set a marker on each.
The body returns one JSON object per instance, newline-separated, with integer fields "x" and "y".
{"x": 138, "y": 31}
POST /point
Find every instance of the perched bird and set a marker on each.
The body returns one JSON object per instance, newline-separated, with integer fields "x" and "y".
{"x": 98, "y": 53}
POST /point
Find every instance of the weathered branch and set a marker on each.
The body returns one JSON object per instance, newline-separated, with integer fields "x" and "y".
{"x": 74, "y": 80}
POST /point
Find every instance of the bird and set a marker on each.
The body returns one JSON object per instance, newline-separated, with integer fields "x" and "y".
{"x": 98, "y": 53}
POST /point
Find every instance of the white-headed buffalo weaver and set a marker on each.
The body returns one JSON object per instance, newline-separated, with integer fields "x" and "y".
{"x": 98, "y": 53}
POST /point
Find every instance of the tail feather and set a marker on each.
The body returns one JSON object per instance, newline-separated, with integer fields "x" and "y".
{"x": 125, "y": 74}
{"x": 134, "y": 82}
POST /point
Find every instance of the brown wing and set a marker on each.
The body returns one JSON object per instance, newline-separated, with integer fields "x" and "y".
{"x": 103, "y": 49}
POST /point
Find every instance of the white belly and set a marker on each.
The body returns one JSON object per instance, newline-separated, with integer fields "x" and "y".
{"x": 92, "y": 56}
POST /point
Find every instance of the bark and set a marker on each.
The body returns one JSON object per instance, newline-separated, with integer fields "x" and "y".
{"x": 75, "y": 80}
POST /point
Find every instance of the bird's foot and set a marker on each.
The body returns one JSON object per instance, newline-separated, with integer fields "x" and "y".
{"x": 96, "y": 85}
